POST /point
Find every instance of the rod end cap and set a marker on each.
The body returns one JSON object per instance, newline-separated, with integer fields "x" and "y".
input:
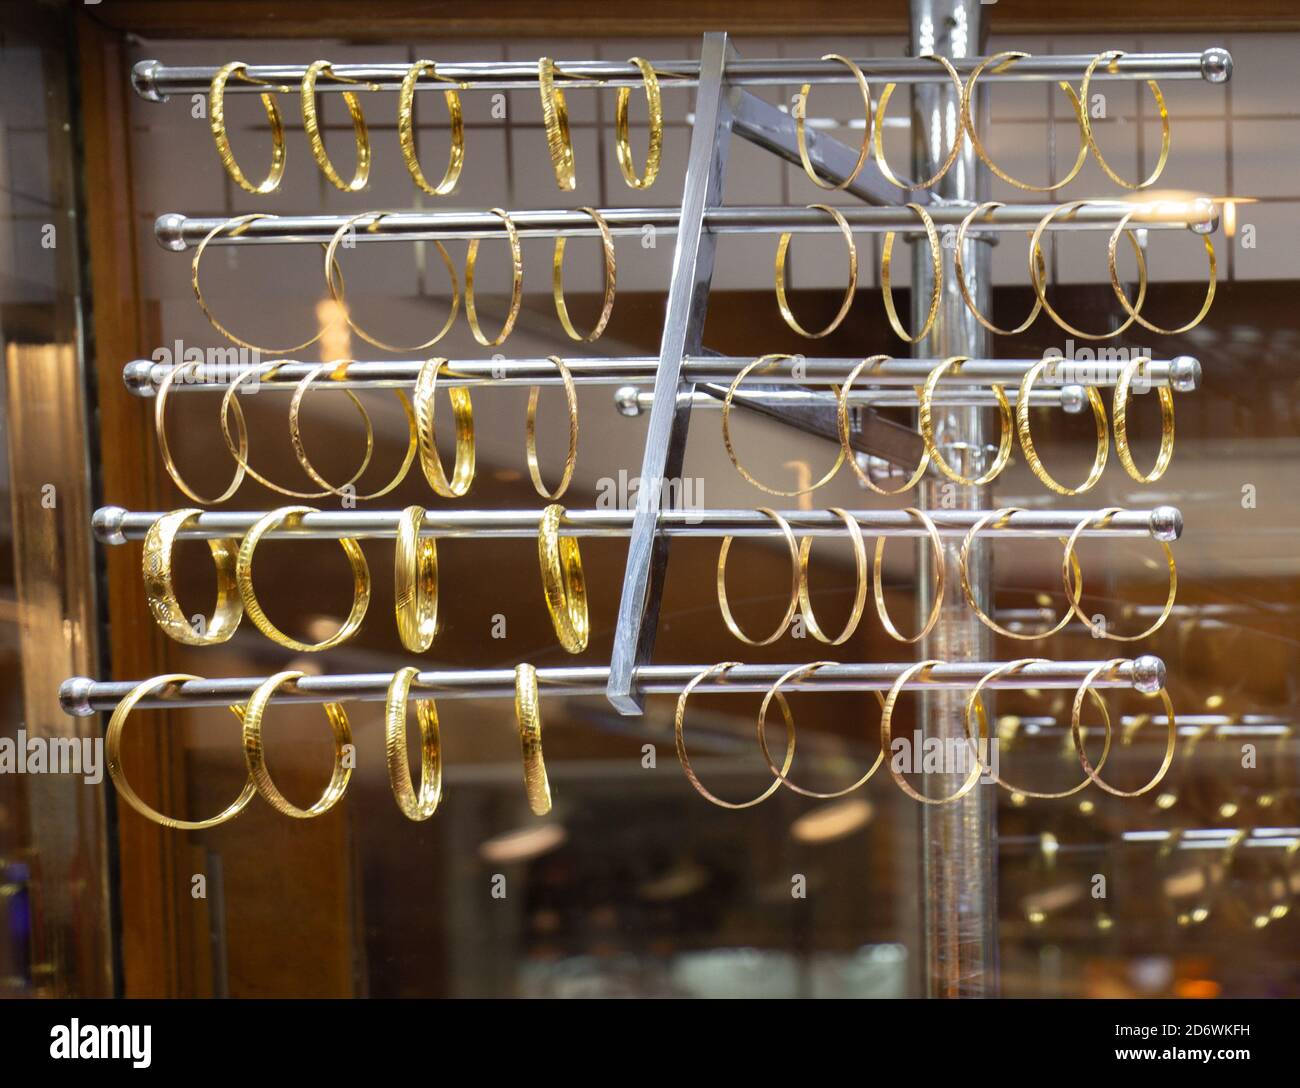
{"x": 1148, "y": 674}
{"x": 1216, "y": 65}
{"x": 74, "y": 696}
{"x": 144, "y": 80}
{"x": 1185, "y": 374}
{"x": 625, "y": 400}
{"x": 167, "y": 229}
{"x": 107, "y": 524}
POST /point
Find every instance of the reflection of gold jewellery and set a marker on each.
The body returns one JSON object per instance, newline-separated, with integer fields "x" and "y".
{"x": 800, "y": 117}
{"x": 516, "y": 286}
{"x": 217, "y": 122}
{"x": 782, "y": 248}
{"x": 311, "y": 125}
{"x": 406, "y": 131}
{"x": 462, "y": 409}
{"x": 766, "y": 362}
{"x": 1110, "y": 60}
{"x": 161, "y": 593}
{"x": 727, "y": 617}
{"x": 1003, "y": 61}
{"x": 421, "y": 805}
{"x": 1075, "y": 593}
{"x": 528, "y": 717}
{"x": 530, "y": 433}
{"x": 563, "y": 582}
{"x": 622, "y": 143}
{"x": 555, "y": 118}
{"x": 958, "y": 246}
{"x": 860, "y": 593}
{"x": 1171, "y": 734}
{"x": 1119, "y": 415}
{"x": 886, "y": 716}
{"x": 1118, "y": 287}
{"x": 288, "y": 517}
{"x": 936, "y": 274}
{"x": 415, "y": 582}
{"x": 164, "y": 450}
{"x": 842, "y": 420}
{"x": 925, "y": 423}
{"x": 611, "y": 277}
{"x": 255, "y": 757}
{"x": 113, "y": 755}
{"x": 878, "y": 585}
{"x": 679, "y": 723}
{"x": 1027, "y": 442}
{"x": 885, "y": 95}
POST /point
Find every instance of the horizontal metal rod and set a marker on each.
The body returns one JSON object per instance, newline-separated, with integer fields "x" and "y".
{"x": 631, "y": 401}
{"x": 1208, "y": 838}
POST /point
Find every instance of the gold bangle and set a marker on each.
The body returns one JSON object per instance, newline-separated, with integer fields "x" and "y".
{"x": 783, "y": 303}
{"x": 1110, "y": 58}
{"x": 255, "y": 757}
{"x": 886, "y": 717}
{"x": 1129, "y": 308}
{"x": 622, "y": 141}
{"x": 160, "y": 592}
{"x": 925, "y": 422}
{"x": 611, "y": 276}
{"x": 842, "y": 421}
{"x": 217, "y": 122}
{"x": 936, "y": 292}
{"x": 406, "y": 131}
{"x": 878, "y": 585}
{"x": 1101, "y": 517}
{"x": 1035, "y": 462}
{"x": 725, "y": 608}
{"x": 979, "y": 209}
{"x": 1003, "y": 62}
{"x": 516, "y": 288}
{"x": 767, "y": 362}
{"x": 530, "y": 433}
{"x": 555, "y": 119}
{"x": 311, "y": 125}
{"x": 528, "y": 716}
{"x": 1119, "y": 414}
{"x": 885, "y": 95}
{"x": 679, "y": 732}
{"x": 288, "y": 516}
{"x": 164, "y": 449}
{"x": 1171, "y": 734}
{"x": 860, "y": 592}
{"x": 113, "y": 756}
{"x": 563, "y": 582}
{"x": 415, "y": 582}
{"x": 462, "y": 409}
{"x": 800, "y": 116}
{"x": 415, "y": 806}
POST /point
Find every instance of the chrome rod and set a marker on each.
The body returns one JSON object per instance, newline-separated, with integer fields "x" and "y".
{"x": 631, "y": 401}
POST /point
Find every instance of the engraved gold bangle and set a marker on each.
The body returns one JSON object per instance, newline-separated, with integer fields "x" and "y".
{"x": 925, "y": 423}
{"x": 886, "y": 718}
{"x": 288, "y": 516}
{"x": 528, "y": 717}
{"x": 255, "y": 757}
{"x": 462, "y": 407}
{"x": 555, "y": 119}
{"x": 622, "y": 139}
{"x": 1109, "y": 58}
{"x": 530, "y": 433}
{"x": 415, "y": 582}
{"x": 860, "y": 588}
{"x": 842, "y": 421}
{"x": 611, "y": 280}
{"x": 406, "y": 131}
{"x": 1132, "y": 311}
{"x": 161, "y": 592}
{"x": 800, "y": 117}
{"x": 1027, "y": 442}
{"x": 725, "y": 608}
{"x": 1119, "y": 416}
{"x": 783, "y": 303}
{"x": 1075, "y": 593}
{"x": 1171, "y": 735}
{"x": 966, "y": 295}
{"x": 563, "y": 582}
{"x": 415, "y": 806}
{"x": 164, "y": 449}
{"x": 113, "y": 757}
{"x": 766, "y": 362}
{"x": 885, "y": 96}
{"x": 516, "y": 286}
{"x": 936, "y": 268}
{"x": 311, "y": 125}
{"x": 878, "y": 585}
{"x": 217, "y": 122}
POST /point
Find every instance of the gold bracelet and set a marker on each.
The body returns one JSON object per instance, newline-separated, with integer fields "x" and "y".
{"x": 800, "y": 117}
{"x": 611, "y": 277}
{"x": 528, "y": 716}
{"x": 1035, "y": 462}
{"x": 1129, "y": 308}
{"x": 1119, "y": 413}
{"x": 555, "y": 119}
{"x": 160, "y": 591}
{"x": 766, "y": 362}
{"x": 860, "y": 591}
{"x": 725, "y": 608}
{"x": 164, "y": 449}
{"x": 415, "y": 582}
{"x": 113, "y": 756}
{"x": 679, "y": 731}
{"x": 622, "y": 141}
{"x": 563, "y": 582}
{"x": 925, "y": 422}
{"x": 289, "y": 516}
{"x": 979, "y": 209}
{"x": 878, "y": 585}
{"x": 885, "y": 95}
{"x": 406, "y": 131}
{"x": 462, "y": 408}
{"x": 842, "y": 421}
{"x": 311, "y": 125}
{"x": 936, "y": 292}
{"x": 530, "y": 433}
{"x": 516, "y": 287}
{"x": 217, "y": 122}
{"x": 1101, "y": 517}
{"x": 886, "y": 717}
{"x": 415, "y": 806}
{"x": 783, "y": 303}
{"x": 1171, "y": 735}
{"x": 255, "y": 757}
{"x": 1110, "y": 58}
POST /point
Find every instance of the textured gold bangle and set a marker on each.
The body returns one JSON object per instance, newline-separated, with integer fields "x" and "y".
{"x": 1109, "y": 59}
{"x": 860, "y": 590}
{"x": 164, "y": 449}
{"x": 563, "y": 582}
{"x": 878, "y": 584}
{"x": 925, "y": 423}
{"x": 530, "y": 433}
{"x": 886, "y": 718}
{"x": 622, "y": 140}
{"x": 516, "y": 287}
{"x": 217, "y": 122}
{"x": 1171, "y": 735}
{"x": 288, "y": 516}
{"x": 415, "y": 806}
{"x": 528, "y": 716}
{"x": 1119, "y": 414}
{"x": 793, "y": 545}
{"x": 1035, "y": 462}
{"x": 555, "y": 119}
{"x": 415, "y": 582}
{"x": 462, "y": 408}
{"x": 311, "y": 126}
{"x": 160, "y": 592}
{"x": 842, "y": 421}
{"x": 783, "y": 303}
{"x": 255, "y": 757}
{"x": 800, "y": 118}
{"x": 1075, "y": 593}
{"x": 936, "y": 269}
{"x": 611, "y": 279}
{"x": 885, "y": 96}
{"x": 980, "y": 209}
{"x": 1132, "y": 311}
{"x": 113, "y": 757}
{"x": 406, "y": 131}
